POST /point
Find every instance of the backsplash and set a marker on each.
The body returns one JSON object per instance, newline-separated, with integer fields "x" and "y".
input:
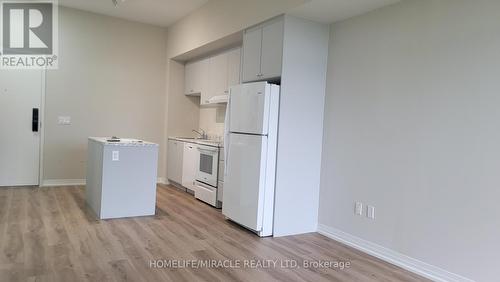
{"x": 212, "y": 120}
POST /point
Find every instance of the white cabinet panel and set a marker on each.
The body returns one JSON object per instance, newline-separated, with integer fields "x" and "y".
{"x": 189, "y": 73}
{"x": 220, "y": 191}
{"x": 217, "y": 73}
{"x": 272, "y": 50}
{"x": 263, "y": 51}
{"x": 175, "y": 153}
{"x": 252, "y": 43}
{"x": 196, "y": 79}
{"x": 190, "y": 165}
{"x": 221, "y": 171}
{"x": 233, "y": 68}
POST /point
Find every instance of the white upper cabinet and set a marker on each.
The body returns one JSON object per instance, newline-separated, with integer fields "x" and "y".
{"x": 217, "y": 78}
{"x": 196, "y": 80}
{"x": 252, "y": 46}
{"x": 223, "y": 72}
{"x": 263, "y": 51}
{"x": 272, "y": 50}
{"x": 233, "y": 68}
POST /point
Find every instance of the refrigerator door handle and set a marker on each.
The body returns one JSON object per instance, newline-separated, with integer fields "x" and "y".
{"x": 227, "y": 140}
{"x": 227, "y": 155}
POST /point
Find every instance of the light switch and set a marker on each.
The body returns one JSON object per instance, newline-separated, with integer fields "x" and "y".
{"x": 371, "y": 212}
{"x": 116, "y": 156}
{"x": 358, "y": 208}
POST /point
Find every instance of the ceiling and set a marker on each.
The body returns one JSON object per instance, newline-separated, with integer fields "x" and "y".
{"x": 329, "y": 11}
{"x": 155, "y": 12}
{"x": 166, "y": 12}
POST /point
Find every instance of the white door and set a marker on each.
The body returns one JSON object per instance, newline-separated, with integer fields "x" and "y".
{"x": 244, "y": 182}
{"x": 272, "y": 50}
{"x": 252, "y": 43}
{"x": 249, "y": 108}
{"x": 20, "y": 93}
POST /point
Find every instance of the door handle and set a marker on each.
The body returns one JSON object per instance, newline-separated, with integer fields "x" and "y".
{"x": 35, "y": 120}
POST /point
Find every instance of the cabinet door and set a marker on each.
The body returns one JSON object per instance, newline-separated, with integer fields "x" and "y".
{"x": 175, "y": 160}
{"x": 196, "y": 77}
{"x": 201, "y": 78}
{"x": 190, "y": 165}
{"x": 233, "y": 68}
{"x": 252, "y": 43}
{"x": 189, "y": 73}
{"x": 217, "y": 77}
{"x": 272, "y": 50}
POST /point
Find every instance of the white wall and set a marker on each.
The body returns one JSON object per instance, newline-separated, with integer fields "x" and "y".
{"x": 412, "y": 126}
{"x": 111, "y": 81}
{"x": 300, "y": 134}
{"x": 183, "y": 111}
{"x": 220, "y": 18}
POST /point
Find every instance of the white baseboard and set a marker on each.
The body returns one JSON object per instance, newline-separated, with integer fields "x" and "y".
{"x": 78, "y": 182}
{"x": 63, "y": 182}
{"x": 162, "y": 180}
{"x": 421, "y": 268}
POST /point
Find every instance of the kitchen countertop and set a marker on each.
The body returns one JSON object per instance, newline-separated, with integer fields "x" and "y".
{"x": 122, "y": 141}
{"x": 205, "y": 142}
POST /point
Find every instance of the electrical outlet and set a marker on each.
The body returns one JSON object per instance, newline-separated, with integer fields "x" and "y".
{"x": 115, "y": 156}
{"x": 358, "y": 208}
{"x": 370, "y": 212}
{"x": 64, "y": 120}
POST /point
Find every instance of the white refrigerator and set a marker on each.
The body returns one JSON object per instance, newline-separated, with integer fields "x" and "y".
{"x": 250, "y": 148}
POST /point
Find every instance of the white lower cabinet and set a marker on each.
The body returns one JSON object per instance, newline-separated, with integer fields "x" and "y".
{"x": 175, "y": 154}
{"x": 190, "y": 165}
{"x": 221, "y": 171}
{"x": 220, "y": 191}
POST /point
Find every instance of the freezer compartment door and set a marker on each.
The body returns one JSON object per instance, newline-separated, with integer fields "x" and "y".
{"x": 244, "y": 184}
{"x": 249, "y": 108}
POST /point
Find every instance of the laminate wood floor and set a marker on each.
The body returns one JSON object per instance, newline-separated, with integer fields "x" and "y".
{"x": 48, "y": 234}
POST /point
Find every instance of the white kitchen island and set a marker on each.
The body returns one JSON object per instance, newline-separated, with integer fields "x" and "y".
{"x": 121, "y": 177}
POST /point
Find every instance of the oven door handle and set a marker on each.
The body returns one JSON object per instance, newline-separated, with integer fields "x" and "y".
{"x": 207, "y": 150}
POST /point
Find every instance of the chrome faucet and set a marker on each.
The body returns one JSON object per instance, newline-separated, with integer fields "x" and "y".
{"x": 203, "y": 134}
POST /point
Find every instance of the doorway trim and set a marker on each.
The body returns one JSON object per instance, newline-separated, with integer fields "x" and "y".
{"x": 42, "y": 127}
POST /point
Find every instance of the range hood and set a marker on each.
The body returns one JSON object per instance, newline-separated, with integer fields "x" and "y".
{"x": 220, "y": 99}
